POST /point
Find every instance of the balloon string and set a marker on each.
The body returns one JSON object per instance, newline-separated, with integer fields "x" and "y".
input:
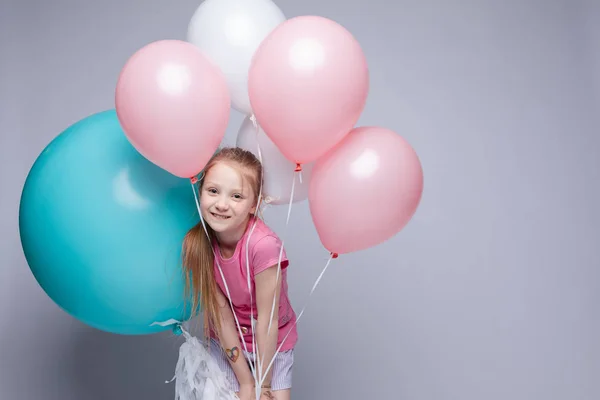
{"x": 331, "y": 257}
{"x": 260, "y": 361}
{"x": 224, "y": 281}
{"x": 252, "y": 326}
{"x": 279, "y": 262}
{"x": 258, "y": 356}
{"x": 255, "y": 352}
{"x": 287, "y": 221}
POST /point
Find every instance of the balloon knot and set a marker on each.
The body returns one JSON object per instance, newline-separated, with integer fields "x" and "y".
{"x": 298, "y": 167}
{"x": 177, "y": 330}
{"x": 194, "y": 180}
{"x": 334, "y": 255}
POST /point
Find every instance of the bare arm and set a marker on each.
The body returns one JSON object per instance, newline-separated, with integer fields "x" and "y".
{"x": 230, "y": 341}
{"x": 267, "y": 286}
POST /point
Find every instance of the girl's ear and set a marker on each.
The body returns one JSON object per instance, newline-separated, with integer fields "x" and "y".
{"x": 254, "y": 209}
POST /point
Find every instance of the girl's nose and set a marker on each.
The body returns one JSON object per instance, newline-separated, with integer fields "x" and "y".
{"x": 222, "y": 205}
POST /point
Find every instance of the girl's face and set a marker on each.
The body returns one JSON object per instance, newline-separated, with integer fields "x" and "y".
{"x": 226, "y": 200}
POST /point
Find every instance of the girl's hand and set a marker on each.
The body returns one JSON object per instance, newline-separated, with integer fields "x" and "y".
{"x": 267, "y": 394}
{"x": 246, "y": 392}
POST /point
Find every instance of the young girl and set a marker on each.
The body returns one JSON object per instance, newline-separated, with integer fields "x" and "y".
{"x": 229, "y": 193}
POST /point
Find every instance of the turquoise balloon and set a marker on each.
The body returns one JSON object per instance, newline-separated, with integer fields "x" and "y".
{"x": 102, "y": 227}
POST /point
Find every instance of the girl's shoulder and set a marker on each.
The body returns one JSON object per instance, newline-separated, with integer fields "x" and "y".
{"x": 265, "y": 247}
{"x": 259, "y": 232}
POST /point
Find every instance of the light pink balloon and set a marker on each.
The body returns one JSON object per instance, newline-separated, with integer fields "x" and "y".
{"x": 173, "y": 105}
{"x": 308, "y": 84}
{"x": 365, "y": 190}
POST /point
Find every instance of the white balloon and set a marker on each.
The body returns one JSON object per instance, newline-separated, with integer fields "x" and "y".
{"x": 229, "y": 32}
{"x": 278, "y": 171}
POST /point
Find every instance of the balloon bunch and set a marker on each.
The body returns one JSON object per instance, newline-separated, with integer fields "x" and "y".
{"x": 302, "y": 84}
{"x": 104, "y": 209}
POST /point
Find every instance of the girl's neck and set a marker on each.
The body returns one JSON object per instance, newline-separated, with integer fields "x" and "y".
{"x": 228, "y": 240}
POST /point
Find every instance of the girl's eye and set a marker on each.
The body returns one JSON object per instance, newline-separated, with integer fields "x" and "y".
{"x": 212, "y": 190}
{"x": 237, "y": 196}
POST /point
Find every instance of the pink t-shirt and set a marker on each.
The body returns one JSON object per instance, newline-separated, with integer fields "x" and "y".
{"x": 263, "y": 252}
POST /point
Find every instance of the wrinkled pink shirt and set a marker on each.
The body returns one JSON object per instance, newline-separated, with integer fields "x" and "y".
{"x": 264, "y": 248}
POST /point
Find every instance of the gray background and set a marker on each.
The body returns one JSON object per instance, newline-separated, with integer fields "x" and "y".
{"x": 491, "y": 292}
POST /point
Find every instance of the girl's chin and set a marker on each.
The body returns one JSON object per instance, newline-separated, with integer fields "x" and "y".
{"x": 219, "y": 225}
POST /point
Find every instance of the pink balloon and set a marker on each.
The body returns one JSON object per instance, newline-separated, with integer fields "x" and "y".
{"x": 308, "y": 85}
{"x": 173, "y": 105}
{"x": 365, "y": 190}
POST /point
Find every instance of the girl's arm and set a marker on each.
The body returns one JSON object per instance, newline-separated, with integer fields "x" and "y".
{"x": 267, "y": 286}
{"x": 230, "y": 341}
